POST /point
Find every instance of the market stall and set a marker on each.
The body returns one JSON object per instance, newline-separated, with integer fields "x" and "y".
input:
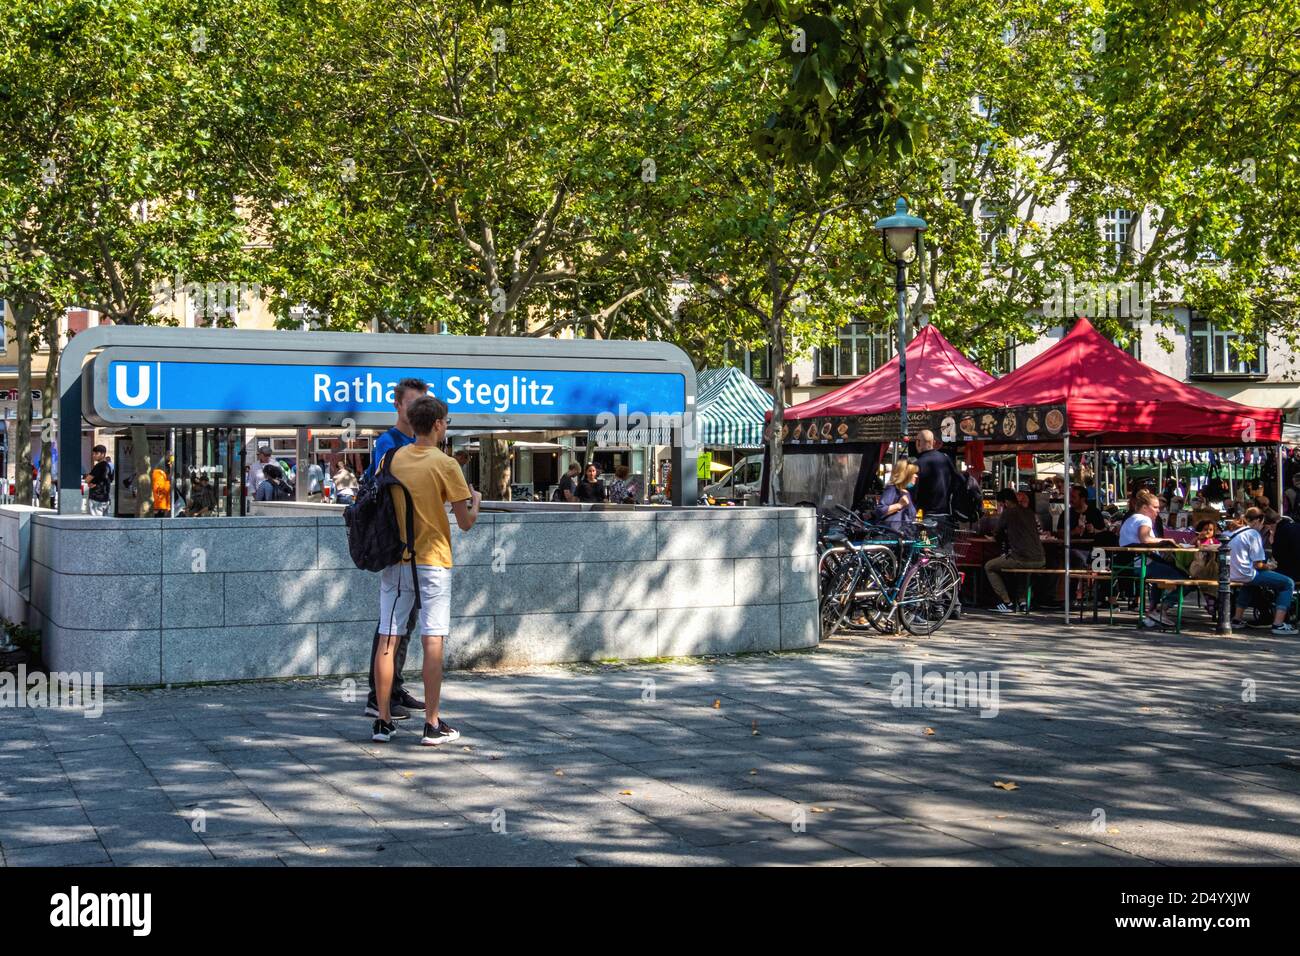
{"x": 833, "y": 443}
{"x": 1088, "y": 391}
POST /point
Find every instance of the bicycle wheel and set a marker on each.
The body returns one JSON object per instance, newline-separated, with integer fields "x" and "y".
{"x": 835, "y": 602}
{"x": 928, "y": 597}
{"x": 878, "y": 610}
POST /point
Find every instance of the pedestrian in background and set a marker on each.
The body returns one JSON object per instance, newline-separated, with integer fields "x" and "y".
{"x": 591, "y": 489}
{"x": 622, "y": 491}
{"x": 345, "y": 485}
{"x": 568, "y": 487}
{"x": 896, "y": 509}
{"x": 99, "y": 482}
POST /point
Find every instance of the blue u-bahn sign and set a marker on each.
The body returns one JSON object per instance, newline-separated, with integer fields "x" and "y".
{"x": 306, "y": 392}
{"x": 273, "y": 380}
{"x": 171, "y": 377}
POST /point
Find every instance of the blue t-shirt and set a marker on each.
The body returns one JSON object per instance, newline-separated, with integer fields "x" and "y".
{"x": 393, "y": 438}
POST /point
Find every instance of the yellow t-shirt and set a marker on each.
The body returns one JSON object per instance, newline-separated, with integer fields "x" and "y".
{"x": 434, "y": 480}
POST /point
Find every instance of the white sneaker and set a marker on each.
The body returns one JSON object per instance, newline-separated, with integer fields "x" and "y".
{"x": 1284, "y": 628}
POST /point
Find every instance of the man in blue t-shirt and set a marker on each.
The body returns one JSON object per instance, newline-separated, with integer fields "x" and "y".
{"x": 404, "y": 393}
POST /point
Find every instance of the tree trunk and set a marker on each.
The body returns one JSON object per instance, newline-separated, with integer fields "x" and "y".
{"x": 21, "y": 449}
{"x": 494, "y": 468}
{"x": 49, "y": 481}
{"x": 776, "y": 461}
{"x": 141, "y": 466}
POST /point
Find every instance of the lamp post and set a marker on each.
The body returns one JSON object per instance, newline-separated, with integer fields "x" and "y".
{"x": 898, "y": 234}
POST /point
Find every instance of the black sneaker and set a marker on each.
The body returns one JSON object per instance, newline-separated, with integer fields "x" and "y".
{"x": 383, "y": 732}
{"x": 444, "y": 733}
{"x": 406, "y": 700}
{"x": 395, "y": 711}
{"x": 1005, "y": 608}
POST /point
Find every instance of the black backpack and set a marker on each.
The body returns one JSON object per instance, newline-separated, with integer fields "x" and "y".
{"x": 967, "y": 498}
{"x": 375, "y": 541}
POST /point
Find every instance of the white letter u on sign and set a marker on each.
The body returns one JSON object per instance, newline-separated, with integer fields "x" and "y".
{"x": 142, "y": 387}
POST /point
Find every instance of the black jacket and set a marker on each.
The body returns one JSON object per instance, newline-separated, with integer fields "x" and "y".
{"x": 933, "y": 490}
{"x": 1286, "y": 547}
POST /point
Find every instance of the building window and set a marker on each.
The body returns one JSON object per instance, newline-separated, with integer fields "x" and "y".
{"x": 1132, "y": 343}
{"x": 755, "y": 363}
{"x": 1211, "y": 351}
{"x": 1115, "y": 230}
{"x": 861, "y": 349}
{"x": 1001, "y": 361}
{"x": 993, "y": 226}
{"x": 985, "y": 110}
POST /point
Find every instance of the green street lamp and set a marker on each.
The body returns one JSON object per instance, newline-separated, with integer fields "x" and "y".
{"x": 899, "y": 235}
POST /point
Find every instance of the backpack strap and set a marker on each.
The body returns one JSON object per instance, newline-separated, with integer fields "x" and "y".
{"x": 409, "y": 543}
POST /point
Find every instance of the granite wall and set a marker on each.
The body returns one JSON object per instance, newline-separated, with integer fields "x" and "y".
{"x": 158, "y": 601}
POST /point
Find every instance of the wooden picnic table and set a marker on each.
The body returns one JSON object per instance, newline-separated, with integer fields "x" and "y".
{"x": 1144, "y": 551}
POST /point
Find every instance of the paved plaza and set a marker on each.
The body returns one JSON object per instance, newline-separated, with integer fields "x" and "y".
{"x": 1111, "y": 747}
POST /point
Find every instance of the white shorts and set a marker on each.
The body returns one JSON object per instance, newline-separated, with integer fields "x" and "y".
{"x": 397, "y": 597}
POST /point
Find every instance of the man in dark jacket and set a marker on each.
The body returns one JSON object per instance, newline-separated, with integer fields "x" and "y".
{"x": 1019, "y": 527}
{"x": 1286, "y": 547}
{"x": 934, "y": 477}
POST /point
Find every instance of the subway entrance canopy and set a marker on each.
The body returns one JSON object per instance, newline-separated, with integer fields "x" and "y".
{"x": 172, "y": 377}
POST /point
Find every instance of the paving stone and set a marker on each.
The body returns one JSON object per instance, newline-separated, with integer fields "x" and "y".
{"x": 45, "y": 827}
{"x": 59, "y": 854}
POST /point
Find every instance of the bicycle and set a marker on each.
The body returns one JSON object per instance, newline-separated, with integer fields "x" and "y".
{"x": 895, "y": 580}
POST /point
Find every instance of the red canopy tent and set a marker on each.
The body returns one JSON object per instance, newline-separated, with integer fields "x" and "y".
{"x": 823, "y": 435}
{"x": 936, "y": 372}
{"x": 1112, "y": 399}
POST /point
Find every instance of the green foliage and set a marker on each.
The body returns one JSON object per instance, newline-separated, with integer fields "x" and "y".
{"x": 21, "y": 636}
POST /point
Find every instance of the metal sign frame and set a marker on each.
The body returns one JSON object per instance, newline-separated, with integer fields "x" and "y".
{"x": 83, "y": 379}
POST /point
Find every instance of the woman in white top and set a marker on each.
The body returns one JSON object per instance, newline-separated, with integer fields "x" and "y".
{"x": 1138, "y": 531}
{"x": 1248, "y": 566}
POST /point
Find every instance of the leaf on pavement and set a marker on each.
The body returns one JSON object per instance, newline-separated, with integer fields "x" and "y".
{"x": 929, "y": 731}
{"x": 717, "y": 705}
{"x": 1005, "y": 785}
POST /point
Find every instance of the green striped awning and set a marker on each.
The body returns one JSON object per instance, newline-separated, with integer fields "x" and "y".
{"x": 730, "y": 408}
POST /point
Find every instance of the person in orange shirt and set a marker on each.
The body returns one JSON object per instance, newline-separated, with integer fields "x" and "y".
{"x": 162, "y": 489}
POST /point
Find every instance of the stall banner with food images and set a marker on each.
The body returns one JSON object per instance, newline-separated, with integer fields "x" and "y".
{"x": 1022, "y": 423}
{"x": 840, "y": 429}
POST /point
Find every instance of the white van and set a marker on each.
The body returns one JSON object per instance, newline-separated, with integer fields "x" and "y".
{"x": 745, "y": 478}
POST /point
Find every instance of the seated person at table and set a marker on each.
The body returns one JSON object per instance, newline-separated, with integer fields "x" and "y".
{"x": 1084, "y": 521}
{"x": 1138, "y": 531}
{"x": 896, "y": 508}
{"x": 1248, "y": 566}
{"x": 1084, "y": 517}
{"x": 1024, "y": 546}
{"x": 1205, "y": 566}
{"x": 1286, "y": 547}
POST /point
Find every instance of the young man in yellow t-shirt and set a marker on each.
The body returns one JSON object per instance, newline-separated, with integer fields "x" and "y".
{"x": 434, "y": 481}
